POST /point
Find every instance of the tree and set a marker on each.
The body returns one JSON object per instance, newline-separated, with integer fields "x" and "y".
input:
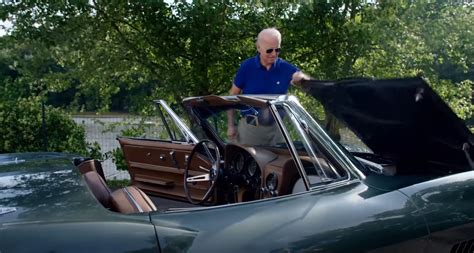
{"x": 423, "y": 38}
{"x": 23, "y": 71}
{"x": 123, "y": 54}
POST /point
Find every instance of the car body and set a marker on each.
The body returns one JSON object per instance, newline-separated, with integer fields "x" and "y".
{"x": 402, "y": 181}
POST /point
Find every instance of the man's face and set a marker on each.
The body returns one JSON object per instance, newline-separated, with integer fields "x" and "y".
{"x": 267, "y": 47}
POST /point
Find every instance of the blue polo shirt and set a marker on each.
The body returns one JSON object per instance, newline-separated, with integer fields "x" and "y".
{"x": 253, "y": 78}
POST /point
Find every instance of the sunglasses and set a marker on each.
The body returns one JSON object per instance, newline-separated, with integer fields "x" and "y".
{"x": 270, "y": 50}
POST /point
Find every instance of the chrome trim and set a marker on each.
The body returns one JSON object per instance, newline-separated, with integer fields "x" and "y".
{"x": 130, "y": 196}
{"x": 199, "y": 178}
{"x": 187, "y": 133}
{"x": 332, "y": 147}
{"x": 292, "y": 148}
{"x": 16, "y": 161}
{"x": 5, "y": 210}
{"x": 293, "y": 102}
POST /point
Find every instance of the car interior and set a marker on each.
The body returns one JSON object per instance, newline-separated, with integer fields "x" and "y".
{"x": 170, "y": 171}
{"x": 125, "y": 200}
{"x": 174, "y": 173}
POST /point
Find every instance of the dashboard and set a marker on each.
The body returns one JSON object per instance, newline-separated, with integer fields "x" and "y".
{"x": 255, "y": 173}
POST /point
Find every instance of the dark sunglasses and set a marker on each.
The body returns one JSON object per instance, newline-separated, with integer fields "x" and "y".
{"x": 270, "y": 50}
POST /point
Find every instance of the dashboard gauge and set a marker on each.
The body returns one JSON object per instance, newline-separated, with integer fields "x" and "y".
{"x": 252, "y": 168}
{"x": 238, "y": 162}
{"x": 271, "y": 181}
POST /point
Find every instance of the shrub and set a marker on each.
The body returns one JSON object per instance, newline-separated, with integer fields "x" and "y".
{"x": 22, "y": 128}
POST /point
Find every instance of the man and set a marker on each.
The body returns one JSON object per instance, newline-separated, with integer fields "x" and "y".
{"x": 265, "y": 73}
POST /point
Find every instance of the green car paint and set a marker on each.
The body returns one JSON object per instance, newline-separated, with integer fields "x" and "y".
{"x": 56, "y": 212}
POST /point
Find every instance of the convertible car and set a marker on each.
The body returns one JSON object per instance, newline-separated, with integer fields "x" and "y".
{"x": 390, "y": 169}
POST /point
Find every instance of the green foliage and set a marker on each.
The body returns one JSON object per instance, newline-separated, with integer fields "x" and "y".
{"x": 94, "y": 151}
{"x": 458, "y": 96}
{"x": 310, "y": 104}
{"x": 117, "y": 183}
{"x": 430, "y": 39}
{"x": 22, "y": 128}
{"x": 23, "y": 74}
{"x": 118, "y": 158}
{"x": 120, "y": 55}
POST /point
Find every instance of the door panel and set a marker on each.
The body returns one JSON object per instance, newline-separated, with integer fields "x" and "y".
{"x": 157, "y": 167}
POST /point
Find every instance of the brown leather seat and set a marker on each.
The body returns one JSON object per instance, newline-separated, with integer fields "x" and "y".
{"x": 99, "y": 188}
{"x": 91, "y": 165}
{"x": 129, "y": 199}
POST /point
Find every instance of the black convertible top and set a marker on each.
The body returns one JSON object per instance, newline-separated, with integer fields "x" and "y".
{"x": 402, "y": 119}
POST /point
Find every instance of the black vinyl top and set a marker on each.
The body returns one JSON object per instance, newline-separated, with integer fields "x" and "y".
{"x": 398, "y": 118}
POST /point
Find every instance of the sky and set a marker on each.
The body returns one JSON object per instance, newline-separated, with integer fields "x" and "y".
{"x": 3, "y": 25}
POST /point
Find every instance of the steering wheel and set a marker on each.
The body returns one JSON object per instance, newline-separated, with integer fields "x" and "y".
{"x": 204, "y": 157}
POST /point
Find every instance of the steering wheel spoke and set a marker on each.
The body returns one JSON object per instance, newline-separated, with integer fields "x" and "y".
{"x": 200, "y": 178}
{"x": 202, "y": 168}
{"x": 208, "y": 154}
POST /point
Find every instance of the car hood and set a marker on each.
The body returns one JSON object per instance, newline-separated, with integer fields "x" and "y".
{"x": 403, "y": 119}
{"x": 40, "y": 187}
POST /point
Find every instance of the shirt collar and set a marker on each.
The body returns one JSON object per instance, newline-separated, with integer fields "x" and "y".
{"x": 259, "y": 65}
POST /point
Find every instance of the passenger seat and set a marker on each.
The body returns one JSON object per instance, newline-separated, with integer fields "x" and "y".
{"x": 129, "y": 199}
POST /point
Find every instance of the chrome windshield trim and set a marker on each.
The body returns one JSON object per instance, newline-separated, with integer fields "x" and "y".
{"x": 292, "y": 148}
{"x": 329, "y": 143}
{"x": 187, "y": 133}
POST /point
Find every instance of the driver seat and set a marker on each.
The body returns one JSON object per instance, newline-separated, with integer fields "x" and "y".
{"x": 129, "y": 199}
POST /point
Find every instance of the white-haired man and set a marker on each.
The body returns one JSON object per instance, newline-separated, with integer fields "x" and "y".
{"x": 264, "y": 73}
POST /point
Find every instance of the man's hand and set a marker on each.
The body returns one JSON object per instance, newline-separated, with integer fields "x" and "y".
{"x": 298, "y": 77}
{"x": 231, "y": 130}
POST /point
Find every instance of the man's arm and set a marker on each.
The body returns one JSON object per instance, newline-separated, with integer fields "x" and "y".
{"x": 231, "y": 130}
{"x": 234, "y": 90}
{"x": 299, "y": 76}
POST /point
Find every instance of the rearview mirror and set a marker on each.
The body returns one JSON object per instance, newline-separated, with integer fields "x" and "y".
{"x": 251, "y": 120}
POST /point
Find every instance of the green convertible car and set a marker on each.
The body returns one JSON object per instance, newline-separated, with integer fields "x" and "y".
{"x": 390, "y": 169}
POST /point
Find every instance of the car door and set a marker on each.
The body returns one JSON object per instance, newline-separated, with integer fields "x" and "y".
{"x": 156, "y": 164}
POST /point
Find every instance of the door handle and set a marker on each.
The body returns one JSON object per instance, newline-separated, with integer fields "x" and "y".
{"x": 173, "y": 159}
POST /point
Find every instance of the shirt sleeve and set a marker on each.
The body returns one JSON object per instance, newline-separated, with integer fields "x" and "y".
{"x": 293, "y": 68}
{"x": 239, "y": 79}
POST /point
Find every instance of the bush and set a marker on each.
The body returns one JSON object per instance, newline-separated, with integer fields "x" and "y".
{"x": 22, "y": 128}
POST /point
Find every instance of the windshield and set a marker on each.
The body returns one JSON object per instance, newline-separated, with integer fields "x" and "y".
{"x": 259, "y": 127}
{"x": 254, "y": 125}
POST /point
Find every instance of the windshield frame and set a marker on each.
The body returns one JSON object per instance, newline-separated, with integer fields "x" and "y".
{"x": 334, "y": 151}
{"x": 338, "y": 157}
